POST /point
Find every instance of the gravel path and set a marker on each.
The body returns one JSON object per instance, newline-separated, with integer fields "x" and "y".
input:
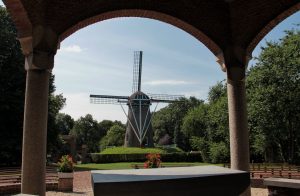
{"x": 82, "y": 186}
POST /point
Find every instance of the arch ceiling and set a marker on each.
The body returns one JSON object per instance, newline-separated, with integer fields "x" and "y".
{"x": 217, "y": 23}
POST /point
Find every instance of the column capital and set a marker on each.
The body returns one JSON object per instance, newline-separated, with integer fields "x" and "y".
{"x": 235, "y": 60}
{"x": 40, "y": 48}
{"x": 220, "y": 58}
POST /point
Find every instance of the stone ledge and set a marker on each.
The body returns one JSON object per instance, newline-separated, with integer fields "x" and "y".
{"x": 282, "y": 182}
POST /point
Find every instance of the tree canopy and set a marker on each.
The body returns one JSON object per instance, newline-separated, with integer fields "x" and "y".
{"x": 273, "y": 88}
{"x": 12, "y": 90}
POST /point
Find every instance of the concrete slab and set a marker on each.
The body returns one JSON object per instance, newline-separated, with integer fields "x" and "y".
{"x": 282, "y": 182}
{"x": 204, "y": 180}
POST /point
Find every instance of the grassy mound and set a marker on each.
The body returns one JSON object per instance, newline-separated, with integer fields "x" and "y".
{"x": 135, "y": 150}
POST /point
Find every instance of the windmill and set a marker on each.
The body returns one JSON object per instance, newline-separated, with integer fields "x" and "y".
{"x": 139, "y": 129}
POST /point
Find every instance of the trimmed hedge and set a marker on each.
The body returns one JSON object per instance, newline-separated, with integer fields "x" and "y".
{"x": 168, "y": 157}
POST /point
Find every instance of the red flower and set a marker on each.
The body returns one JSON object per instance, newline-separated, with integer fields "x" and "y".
{"x": 153, "y": 161}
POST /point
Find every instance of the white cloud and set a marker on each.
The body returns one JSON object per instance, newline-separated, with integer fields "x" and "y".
{"x": 166, "y": 82}
{"x": 72, "y": 48}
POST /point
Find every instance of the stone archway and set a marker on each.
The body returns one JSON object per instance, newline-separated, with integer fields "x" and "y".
{"x": 229, "y": 28}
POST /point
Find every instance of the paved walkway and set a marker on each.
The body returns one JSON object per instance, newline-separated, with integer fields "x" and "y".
{"x": 81, "y": 185}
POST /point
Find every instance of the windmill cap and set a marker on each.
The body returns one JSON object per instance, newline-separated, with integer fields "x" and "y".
{"x": 139, "y": 95}
{"x": 139, "y": 98}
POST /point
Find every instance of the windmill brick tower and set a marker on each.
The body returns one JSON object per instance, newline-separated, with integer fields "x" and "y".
{"x": 139, "y": 129}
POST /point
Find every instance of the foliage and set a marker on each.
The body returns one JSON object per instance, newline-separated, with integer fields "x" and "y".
{"x": 168, "y": 157}
{"x": 136, "y": 150}
{"x": 114, "y": 137}
{"x": 153, "y": 161}
{"x": 207, "y": 126}
{"x": 12, "y": 90}
{"x": 87, "y": 132}
{"x": 105, "y": 125}
{"x": 56, "y": 103}
{"x": 168, "y": 121}
{"x": 65, "y": 164}
{"x": 273, "y": 88}
{"x": 219, "y": 152}
{"x": 64, "y": 123}
{"x": 131, "y": 150}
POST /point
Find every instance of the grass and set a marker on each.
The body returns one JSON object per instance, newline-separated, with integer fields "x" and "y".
{"x": 128, "y": 165}
{"x": 134, "y": 150}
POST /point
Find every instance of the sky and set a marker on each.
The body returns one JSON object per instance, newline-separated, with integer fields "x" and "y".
{"x": 98, "y": 59}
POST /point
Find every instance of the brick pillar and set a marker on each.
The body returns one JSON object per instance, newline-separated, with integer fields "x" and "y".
{"x": 234, "y": 63}
{"x": 39, "y": 60}
{"x": 35, "y": 132}
{"x": 238, "y": 125}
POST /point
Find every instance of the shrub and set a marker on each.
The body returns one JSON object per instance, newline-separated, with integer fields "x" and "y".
{"x": 167, "y": 157}
{"x": 219, "y": 153}
{"x": 65, "y": 164}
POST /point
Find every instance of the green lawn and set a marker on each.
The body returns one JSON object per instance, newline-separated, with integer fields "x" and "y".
{"x": 129, "y": 165}
{"x": 134, "y": 150}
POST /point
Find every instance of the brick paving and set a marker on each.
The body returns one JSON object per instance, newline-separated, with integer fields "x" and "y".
{"x": 81, "y": 185}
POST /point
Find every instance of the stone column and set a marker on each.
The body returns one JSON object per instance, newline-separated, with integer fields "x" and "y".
{"x": 35, "y": 132}
{"x": 234, "y": 62}
{"x": 38, "y": 63}
{"x": 238, "y": 125}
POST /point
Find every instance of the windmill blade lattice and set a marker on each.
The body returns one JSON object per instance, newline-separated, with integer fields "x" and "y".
{"x": 108, "y": 99}
{"x": 164, "y": 98}
{"x": 137, "y": 71}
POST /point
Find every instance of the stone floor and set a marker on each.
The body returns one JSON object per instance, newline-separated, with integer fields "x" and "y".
{"x": 82, "y": 186}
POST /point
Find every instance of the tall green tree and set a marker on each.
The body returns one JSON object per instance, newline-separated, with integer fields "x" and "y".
{"x": 64, "y": 123}
{"x": 168, "y": 121}
{"x": 12, "y": 90}
{"x": 206, "y": 126}
{"x": 87, "y": 132}
{"x": 273, "y": 88}
{"x": 114, "y": 137}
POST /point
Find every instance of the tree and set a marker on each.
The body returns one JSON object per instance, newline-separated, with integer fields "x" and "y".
{"x": 168, "y": 121}
{"x": 105, "y": 125}
{"x": 87, "y": 132}
{"x": 273, "y": 88}
{"x": 206, "y": 126}
{"x": 114, "y": 137}
{"x": 55, "y": 104}
{"x": 64, "y": 123}
{"x": 12, "y": 90}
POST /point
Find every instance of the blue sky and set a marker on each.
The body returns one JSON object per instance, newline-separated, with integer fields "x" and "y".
{"x": 99, "y": 59}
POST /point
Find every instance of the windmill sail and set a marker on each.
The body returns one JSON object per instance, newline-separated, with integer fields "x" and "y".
{"x": 137, "y": 71}
{"x": 108, "y": 99}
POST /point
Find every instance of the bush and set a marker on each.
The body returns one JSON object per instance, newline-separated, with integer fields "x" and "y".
{"x": 136, "y": 150}
{"x": 65, "y": 164}
{"x": 167, "y": 157}
{"x": 219, "y": 153}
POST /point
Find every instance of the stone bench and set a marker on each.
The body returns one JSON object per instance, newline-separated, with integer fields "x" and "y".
{"x": 282, "y": 186}
{"x": 175, "y": 181}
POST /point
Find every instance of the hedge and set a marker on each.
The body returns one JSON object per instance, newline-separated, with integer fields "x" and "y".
{"x": 168, "y": 157}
